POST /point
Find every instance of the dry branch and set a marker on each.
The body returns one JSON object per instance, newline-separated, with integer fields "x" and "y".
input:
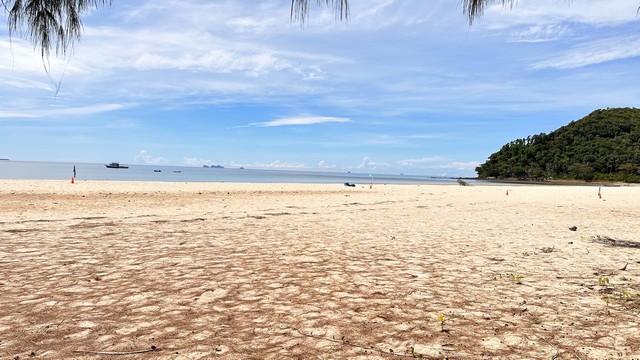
{"x": 153, "y": 348}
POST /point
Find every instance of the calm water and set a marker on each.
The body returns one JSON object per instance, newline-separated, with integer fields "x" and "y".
{"x": 84, "y": 171}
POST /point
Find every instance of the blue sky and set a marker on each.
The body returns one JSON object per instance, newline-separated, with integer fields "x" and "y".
{"x": 405, "y": 86}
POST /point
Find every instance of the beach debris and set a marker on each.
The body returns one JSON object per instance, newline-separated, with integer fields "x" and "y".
{"x": 548, "y": 250}
{"x": 573, "y": 228}
{"x": 153, "y": 348}
{"x": 462, "y": 182}
{"x": 624, "y": 268}
{"x": 349, "y": 184}
{"x": 605, "y": 240}
{"x": 507, "y": 192}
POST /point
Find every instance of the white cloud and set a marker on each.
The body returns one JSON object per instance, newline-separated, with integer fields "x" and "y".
{"x": 29, "y": 84}
{"x": 368, "y": 164}
{"x": 84, "y": 110}
{"x": 301, "y": 120}
{"x": 414, "y": 162}
{"x": 594, "y": 52}
{"x": 63, "y": 112}
{"x": 145, "y": 158}
{"x": 18, "y": 55}
{"x": 194, "y": 161}
{"x": 251, "y": 25}
{"x": 159, "y": 49}
{"x": 540, "y": 33}
{"x": 323, "y": 165}
{"x": 13, "y": 114}
{"x": 277, "y": 164}
{"x": 312, "y": 72}
{"x": 544, "y": 12}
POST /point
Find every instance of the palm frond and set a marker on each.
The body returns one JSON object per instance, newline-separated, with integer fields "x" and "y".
{"x": 49, "y": 23}
{"x": 300, "y": 9}
{"x": 474, "y": 9}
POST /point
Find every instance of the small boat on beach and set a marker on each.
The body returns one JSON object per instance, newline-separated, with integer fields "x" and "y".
{"x": 115, "y": 165}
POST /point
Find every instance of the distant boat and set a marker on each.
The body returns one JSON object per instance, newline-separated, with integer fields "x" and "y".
{"x": 157, "y": 170}
{"x": 115, "y": 165}
{"x": 177, "y": 171}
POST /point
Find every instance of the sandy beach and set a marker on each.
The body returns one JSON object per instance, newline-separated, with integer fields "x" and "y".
{"x": 139, "y": 270}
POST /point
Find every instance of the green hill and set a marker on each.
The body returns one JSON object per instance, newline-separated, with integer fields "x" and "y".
{"x": 604, "y": 145}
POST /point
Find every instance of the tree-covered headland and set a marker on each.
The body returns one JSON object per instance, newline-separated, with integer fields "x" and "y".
{"x": 604, "y": 145}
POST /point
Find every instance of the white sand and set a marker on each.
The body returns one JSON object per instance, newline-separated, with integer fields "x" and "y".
{"x": 239, "y": 271}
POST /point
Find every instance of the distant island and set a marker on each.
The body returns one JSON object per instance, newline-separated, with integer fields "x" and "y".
{"x": 602, "y": 146}
{"x": 213, "y": 166}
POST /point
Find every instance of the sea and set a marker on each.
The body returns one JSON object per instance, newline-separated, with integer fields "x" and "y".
{"x": 10, "y": 169}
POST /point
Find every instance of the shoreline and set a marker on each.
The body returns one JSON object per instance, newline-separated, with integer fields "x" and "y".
{"x": 143, "y": 185}
{"x": 562, "y": 182}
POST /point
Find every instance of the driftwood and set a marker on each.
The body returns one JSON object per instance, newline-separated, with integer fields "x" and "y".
{"x": 462, "y": 182}
{"x": 153, "y": 348}
{"x": 615, "y": 242}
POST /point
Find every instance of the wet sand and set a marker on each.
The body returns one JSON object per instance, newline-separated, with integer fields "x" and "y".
{"x": 95, "y": 270}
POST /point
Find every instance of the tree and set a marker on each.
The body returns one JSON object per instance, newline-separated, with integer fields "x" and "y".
{"x": 49, "y": 22}
{"x": 603, "y": 146}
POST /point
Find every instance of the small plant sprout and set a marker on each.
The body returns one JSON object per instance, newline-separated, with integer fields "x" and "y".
{"x": 603, "y": 280}
{"x": 442, "y": 319}
{"x": 607, "y": 300}
{"x": 517, "y": 278}
{"x": 415, "y": 355}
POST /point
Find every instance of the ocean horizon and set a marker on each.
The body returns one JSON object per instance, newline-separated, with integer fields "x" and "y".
{"x": 45, "y": 170}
